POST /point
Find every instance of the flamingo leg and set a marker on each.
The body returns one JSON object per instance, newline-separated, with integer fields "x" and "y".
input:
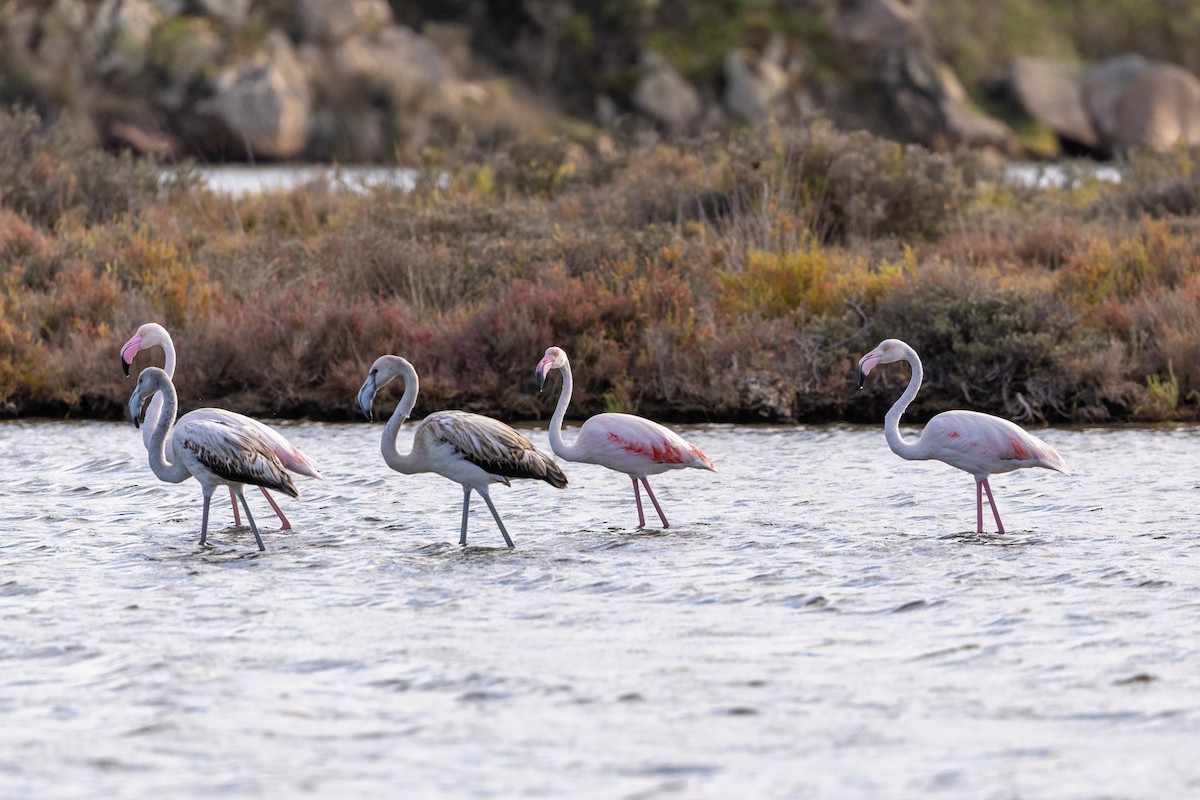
{"x": 978, "y": 506}
{"x": 287, "y": 526}
{"x": 462, "y": 537}
{"x": 250, "y": 519}
{"x": 237, "y": 518}
{"x": 637, "y": 496}
{"x": 995, "y": 511}
{"x": 204, "y": 519}
{"x": 654, "y": 500}
{"x": 487, "y": 499}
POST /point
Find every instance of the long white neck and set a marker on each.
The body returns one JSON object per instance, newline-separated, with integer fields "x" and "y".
{"x": 162, "y": 468}
{"x": 560, "y": 447}
{"x": 891, "y": 423}
{"x": 154, "y": 411}
{"x": 401, "y": 462}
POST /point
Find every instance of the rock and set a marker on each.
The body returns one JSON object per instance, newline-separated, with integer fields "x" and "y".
{"x": 1051, "y": 93}
{"x": 144, "y": 141}
{"x": 231, "y": 13}
{"x": 334, "y": 20}
{"x": 122, "y": 32}
{"x": 1159, "y": 109}
{"x": 880, "y": 24}
{"x": 663, "y": 95}
{"x": 265, "y": 101}
{"x": 754, "y": 85}
{"x": 59, "y": 40}
{"x": 1103, "y": 84}
{"x": 183, "y": 51}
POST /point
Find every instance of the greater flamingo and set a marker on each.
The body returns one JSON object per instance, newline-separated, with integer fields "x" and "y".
{"x": 213, "y": 452}
{"x": 980, "y": 444}
{"x": 154, "y": 335}
{"x": 470, "y": 449}
{"x": 621, "y": 442}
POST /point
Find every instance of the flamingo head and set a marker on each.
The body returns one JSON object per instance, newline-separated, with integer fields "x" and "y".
{"x": 148, "y": 383}
{"x": 886, "y": 352}
{"x": 149, "y": 335}
{"x": 555, "y": 358}
{"x": 383, "y": 371}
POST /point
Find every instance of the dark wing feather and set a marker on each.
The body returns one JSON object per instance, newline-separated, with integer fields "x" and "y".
{"x": 236, "y": 454}
{"x": 491, "y": 445}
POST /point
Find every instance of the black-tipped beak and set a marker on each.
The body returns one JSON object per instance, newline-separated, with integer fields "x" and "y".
{"x": 862, "y": 376}
{"x": 541, "y": 377}
{"x": 125, "y": 366}
{"x": 366, "y": 397}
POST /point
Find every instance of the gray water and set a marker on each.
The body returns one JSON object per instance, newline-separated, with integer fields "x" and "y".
{"x": 820, "y": 621}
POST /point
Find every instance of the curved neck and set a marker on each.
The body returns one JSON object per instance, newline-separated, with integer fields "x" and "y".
{"x": 891, "y": 423}
{"x": 557, "y": 444}
{"x": 401, "y": 462}
{"x": 154, "y": 411}
{"x": 163, "y": 469}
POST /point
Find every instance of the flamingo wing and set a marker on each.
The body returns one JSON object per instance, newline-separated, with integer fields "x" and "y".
{"x": 289, "y": 455}
{"x": 625, "y": 436}
{"x": 983, "y": 444}
{"x": 233, "y": 453}
{"x": 493, "y": 446}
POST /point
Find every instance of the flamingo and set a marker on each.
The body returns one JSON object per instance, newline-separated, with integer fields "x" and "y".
{"x": 213, "y": 451}
{"x": 472, "y": 450}
{"x": 980, "y": 444}
{"x": 154, "y": 335}
{"x": 622, "y": 442}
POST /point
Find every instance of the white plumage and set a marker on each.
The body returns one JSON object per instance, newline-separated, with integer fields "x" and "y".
{"x": 152, "y": 334}
{"x": 212, "y": 451}
{"x": 470, "y": 449}
{"x": 622, "y": 442}
{"x": 980, "y": 444}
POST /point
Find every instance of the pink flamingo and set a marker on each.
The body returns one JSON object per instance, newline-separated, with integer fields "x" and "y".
{"x": 977, "y": 443}
{"x": 154, "y": 335}
{"x": 621, "y": 442}
{"x": 472, "y": 450}
{"x": 213, "y": 452}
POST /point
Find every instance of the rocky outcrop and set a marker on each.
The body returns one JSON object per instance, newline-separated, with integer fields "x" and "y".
{"x": 1050, "y": 92}
{"x": 754, "y": 86}
{"x": 1114, "y": 106}
{"x": 264, "y": 102}
{"x": 663, "y": 95}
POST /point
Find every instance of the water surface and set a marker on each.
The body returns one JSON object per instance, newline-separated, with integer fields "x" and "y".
{"x": 820, "y": 621}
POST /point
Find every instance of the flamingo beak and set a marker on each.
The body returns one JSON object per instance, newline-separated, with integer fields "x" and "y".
{"x": 541, "y": 375}
{"x": 865, "y": 365}
{"x": 366, "y": 396}
{"x": 136, "y": 409}
{"x": 129, "y": 351}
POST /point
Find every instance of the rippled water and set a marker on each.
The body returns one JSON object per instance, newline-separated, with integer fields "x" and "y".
{"x": 820, "y": 622}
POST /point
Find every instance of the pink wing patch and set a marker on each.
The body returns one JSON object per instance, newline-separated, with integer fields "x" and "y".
{"x": 662, "y": 452}
{"x": 953, "y": 434}
{"x": 1018, "y": 449}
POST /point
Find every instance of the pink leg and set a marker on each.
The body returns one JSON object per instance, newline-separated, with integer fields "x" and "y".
{"x": 654, "y": 500}
{"x": 287, "y": 526}
{"x": 978, "y": 506}
{"x": 637, "y": 496}
{"x": 995, "y": 511}
{"x": 237, "y": 516}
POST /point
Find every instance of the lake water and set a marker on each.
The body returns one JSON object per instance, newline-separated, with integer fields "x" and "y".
{"x": 820, "y": 622}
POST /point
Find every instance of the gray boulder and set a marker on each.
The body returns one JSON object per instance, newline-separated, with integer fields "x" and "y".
{"x": 264, "y": 101}
{"x": 1159, "y": 109}
{"x": 1052, "y": 93}
{"x": 663, "y": 95}
{"x": 334, "y": 20}
{"x": 754, "y": 85}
